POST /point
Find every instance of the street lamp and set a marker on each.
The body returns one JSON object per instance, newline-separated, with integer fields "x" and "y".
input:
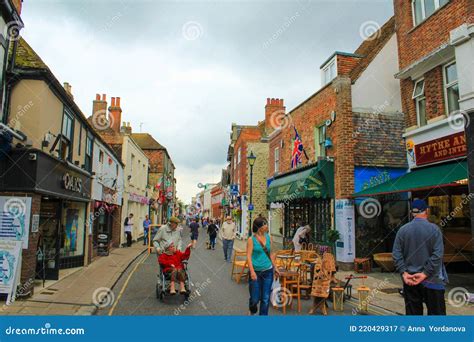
{"x": 251, "y": 160}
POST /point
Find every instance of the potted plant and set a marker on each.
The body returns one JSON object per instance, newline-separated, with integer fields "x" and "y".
{"x": 332, "y": 237}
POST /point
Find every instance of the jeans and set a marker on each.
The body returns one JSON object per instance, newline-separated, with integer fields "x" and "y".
{"x": 129, "y": 238}
{"x": 212, "y": 240}
{"x": 228, "y": 245}
{"x": 260, "y": 291}
{"x": 416, "y": 295}
{"x": 145, "y": 236}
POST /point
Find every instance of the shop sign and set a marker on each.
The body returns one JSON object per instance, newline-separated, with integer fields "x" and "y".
{"x": 138, "y": 198}
{"x": 444, "y": 148}
{"x": 15, "y": 215}
{"x": 368, "y": 177}
{"x": 103, "y": 244}
{"x": 10, "y": 262}
{"x": 109, "y": 195}
{"x": 72, "y": 183}
{"x": 345, "y": 247}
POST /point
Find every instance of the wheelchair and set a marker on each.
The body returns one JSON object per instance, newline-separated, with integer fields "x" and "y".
{"x": 163, "y": 284}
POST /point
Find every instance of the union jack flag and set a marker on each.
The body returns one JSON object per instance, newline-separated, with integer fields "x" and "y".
{"x": 297, "y": 150}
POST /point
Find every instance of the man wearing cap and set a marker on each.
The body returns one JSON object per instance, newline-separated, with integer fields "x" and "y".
{"x": 227, "y": 234}
{"x": 418, "y": 255}
{"x": 167, "y": 234}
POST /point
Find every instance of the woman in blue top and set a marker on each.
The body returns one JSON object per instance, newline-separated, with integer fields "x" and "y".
{"x": 261, "y": 264}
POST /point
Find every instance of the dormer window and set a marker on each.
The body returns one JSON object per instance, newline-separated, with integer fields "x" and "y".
{"x": 329, "y": 71}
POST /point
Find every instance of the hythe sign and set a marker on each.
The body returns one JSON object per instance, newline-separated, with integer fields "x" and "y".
{"x": 445, "y": 148}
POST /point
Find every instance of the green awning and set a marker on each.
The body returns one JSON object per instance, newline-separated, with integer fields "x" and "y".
{"x": 315, "y": 182}
{"x": 421, "y": 179}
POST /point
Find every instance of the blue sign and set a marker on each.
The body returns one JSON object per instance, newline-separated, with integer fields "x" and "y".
{"x": 368, "y": 177}
{"x": 251, "y": 207}
{"x": 234, "y": 189}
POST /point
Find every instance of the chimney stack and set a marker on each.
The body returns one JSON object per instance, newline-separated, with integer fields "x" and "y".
{"x": 68, "y": 89}
{"x": 126, "y": 128}
{"x": 99, "y": 107}
{"x": 115, "y": 114}
{"x": 274, "y": 114}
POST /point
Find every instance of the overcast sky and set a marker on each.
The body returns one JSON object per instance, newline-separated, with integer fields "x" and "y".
{"x": 185, "y": 70}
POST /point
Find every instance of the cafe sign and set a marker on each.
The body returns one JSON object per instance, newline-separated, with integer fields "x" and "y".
{"x": 444, "y": 148}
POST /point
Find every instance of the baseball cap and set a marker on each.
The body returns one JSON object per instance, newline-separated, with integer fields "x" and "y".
{"x": 175, "y": 220}
{"x": 418, "y": 206}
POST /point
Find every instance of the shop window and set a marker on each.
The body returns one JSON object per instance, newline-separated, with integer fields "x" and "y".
{"x": 276, "y": 154}
{"x": 422, "y": 9}
{"x": 420, "y": 102}
{"x": 451, "y": 88}
{"x": 72, "y": 229}
{"x": 88, "y": 157}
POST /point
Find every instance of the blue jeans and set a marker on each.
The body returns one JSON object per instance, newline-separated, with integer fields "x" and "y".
{"x": 145, "y": 236}
{"x": 228, "y": 245}
{"x": 212, "y": 241}
{"x": 260, "y": 291}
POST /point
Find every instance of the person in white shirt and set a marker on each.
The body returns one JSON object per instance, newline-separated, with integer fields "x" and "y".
{"x": 128, "y": 224}
{"x": 300, "y": 234}
{"x": 227, "y": 235}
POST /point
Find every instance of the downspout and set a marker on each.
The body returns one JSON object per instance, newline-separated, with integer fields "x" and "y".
{"x": 9, "y": 84}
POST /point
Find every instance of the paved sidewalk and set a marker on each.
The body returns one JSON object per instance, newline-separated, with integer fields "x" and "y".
{"x": 74, "y": 294}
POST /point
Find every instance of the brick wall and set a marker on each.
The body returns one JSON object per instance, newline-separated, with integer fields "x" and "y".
{"x": 260, "y": 172}
{"x": 345, "y": 64}
{"x": 416, "y": 42}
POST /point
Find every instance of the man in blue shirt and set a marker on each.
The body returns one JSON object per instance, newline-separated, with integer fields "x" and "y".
{"x": 418, "y": 255}
{"x": 146, "y": 227}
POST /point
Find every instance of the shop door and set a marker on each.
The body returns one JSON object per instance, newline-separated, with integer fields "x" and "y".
{"x": 47, "y": 265}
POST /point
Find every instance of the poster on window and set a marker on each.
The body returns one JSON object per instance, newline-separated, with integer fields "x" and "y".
{"x": 345, "y": 246}
{"x": 15, "y": 219}
{"x": 72, "y": 227}
{"x": 10, "y": 262}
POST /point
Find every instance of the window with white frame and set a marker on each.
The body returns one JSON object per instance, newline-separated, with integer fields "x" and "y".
{"x": 420, "y": 101}
{"x": 451, "y": 87}
{"x": 67, "y": 135}
{"x": 276, "y": 154}
{"x": 329, "y": 71}
{"x": 422, "y": 9}
{"x": 238, "y": 156}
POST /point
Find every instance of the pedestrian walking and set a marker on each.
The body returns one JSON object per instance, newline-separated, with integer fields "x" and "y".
{"x": 194, "y": 226}
{"x": 128, "y": 225}
{"x": 166, "y": 234}
{"x": 418, "y": 255}
{"x": 146, "y": 227}
{"x": 227, "y": 235}
{"x": 261, "y": 263}
{"x": 212, "y": 231}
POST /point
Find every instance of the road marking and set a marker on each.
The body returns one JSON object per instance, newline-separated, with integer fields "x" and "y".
{"x": 111, "y": 311}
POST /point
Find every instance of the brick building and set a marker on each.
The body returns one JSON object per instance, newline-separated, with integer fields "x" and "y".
{"x": 217, "y": 195}
{"x": 161, "y": 178}
{"x": 351, "y": 130}
{"x": 436, "y": 72}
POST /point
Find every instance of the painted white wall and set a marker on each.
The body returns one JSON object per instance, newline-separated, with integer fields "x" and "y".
{"x": 105, "y": 173}
{"x": 377, "y": 90}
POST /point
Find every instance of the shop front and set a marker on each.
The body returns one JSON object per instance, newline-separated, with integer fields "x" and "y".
{"x": 105, "y": 219}
{"x": 64, "y": 190}
{"x": 303, "y": 197}
{"x": 438, "y": 174}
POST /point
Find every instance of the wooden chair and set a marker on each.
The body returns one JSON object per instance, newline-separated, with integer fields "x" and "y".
{"x": 290, "y": 284}
{"x": 362, "y": 265}
{"x": 239, "y": 266}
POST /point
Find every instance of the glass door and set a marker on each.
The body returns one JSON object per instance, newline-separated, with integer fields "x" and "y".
{"x": 47, "y": 265}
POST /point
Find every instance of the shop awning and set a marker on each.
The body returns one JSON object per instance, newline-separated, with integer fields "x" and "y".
{"x": 314, "y": 182}
{"x": 421, "y": 179}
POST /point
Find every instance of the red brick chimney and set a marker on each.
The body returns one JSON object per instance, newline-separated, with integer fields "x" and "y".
{"x": 274, "y": 114}
{"x": 115, "y": 114}
{"x": 99, "y": 106}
